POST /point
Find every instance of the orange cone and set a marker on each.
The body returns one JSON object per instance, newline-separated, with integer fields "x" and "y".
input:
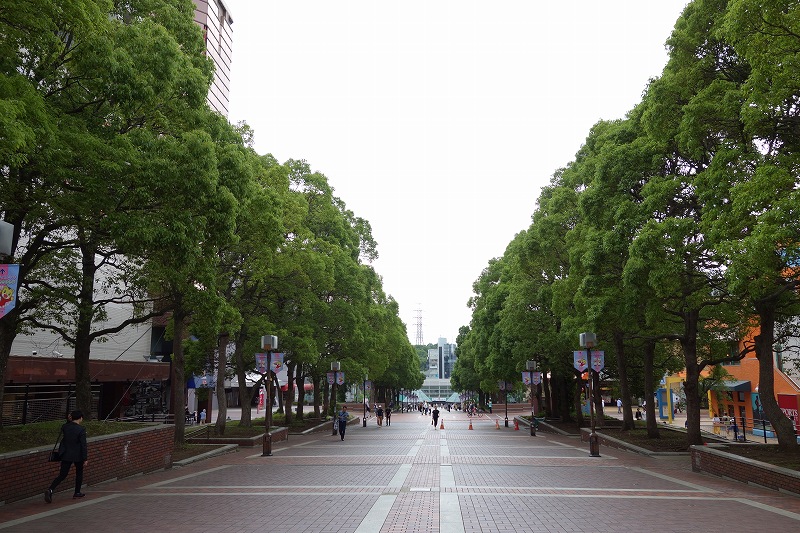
{"x": 441, "y": 426}
{"x": 470, "y": 423}
{"x": 516, "y": 425}
{"x": 496, "y": 423}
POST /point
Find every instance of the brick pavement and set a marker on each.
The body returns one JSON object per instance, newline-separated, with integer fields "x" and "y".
{"x": 411, "y": 477}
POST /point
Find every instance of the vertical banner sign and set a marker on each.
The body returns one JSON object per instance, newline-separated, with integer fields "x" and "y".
{"x": 501, "y": 385}
{"x": 581, "y": 363}
{"x": 598, "y": 361}
{"x": 276, "y": 362}
{"x": 8, "y": 288}
{"x": 526, "y": 379}
{"x": 536, "y": 378}
{"x": 262, "y": 362}
{"x": 368, "y": 386}
{"x": 260, "y": 399}
{"x": 340, "y": 378}
{"x": 330, "y": 378}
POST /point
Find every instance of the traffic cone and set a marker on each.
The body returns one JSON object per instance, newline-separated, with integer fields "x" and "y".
{"x": 470, "y": 423}
{"x": 496, "y": 423}
{"x": 516, "y": 425}
{"x": 441, "y": 426}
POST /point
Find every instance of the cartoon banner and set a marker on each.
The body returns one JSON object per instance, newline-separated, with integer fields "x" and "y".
{"x": 581, "y": 362}
{"x": 536, "y": 378}
{"x": 276, "y": 362}
{"x": 340, "y": 378}
{"x": 8, "y": 288}
{"x": 262, "y": 360}
{"x": 367, "y": 385}
{"x": 331, "y": 378}
{"x": 526, "y": 379}
{"x": 598, "y": 361}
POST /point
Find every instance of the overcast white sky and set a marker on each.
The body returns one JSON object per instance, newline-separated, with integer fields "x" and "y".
{"x": 439, "y": 121}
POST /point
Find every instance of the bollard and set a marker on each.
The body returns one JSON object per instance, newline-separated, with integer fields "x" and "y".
{"x": 267, "y": 445}
{"x": 594, "y": 445}
{"x": 470, "y": 423}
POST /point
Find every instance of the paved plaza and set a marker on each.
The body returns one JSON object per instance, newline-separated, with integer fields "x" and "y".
{"x": 412, "y": 477}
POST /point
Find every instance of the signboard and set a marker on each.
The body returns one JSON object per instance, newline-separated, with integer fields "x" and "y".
{"x": 276, "y": 362}
{"x": 367, "y": 385}
{"x": 331, "y": 378}
{"x": 340, "y": 378}
{"x": 536, "y": 378}
{"x": 581, "y": 362}
{"x": 526, "y": 379}
{"x": 8, "y": 288}
{"x": 262, "y": 360}
{"x": 790, "y": 405}
{"x": 598, "y": 361}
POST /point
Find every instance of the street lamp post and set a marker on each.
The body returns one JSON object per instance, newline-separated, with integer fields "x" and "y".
{"x": 588, "y": 340}
{"x": 532, "y": 367}
{"x": 268, "y": 343}
{"x": 335, "y": 369}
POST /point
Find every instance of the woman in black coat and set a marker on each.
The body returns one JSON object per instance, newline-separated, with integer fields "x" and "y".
{"x": 73, "y": 449}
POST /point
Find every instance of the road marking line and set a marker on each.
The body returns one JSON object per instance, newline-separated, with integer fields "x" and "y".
{"x": 377, "y": 514}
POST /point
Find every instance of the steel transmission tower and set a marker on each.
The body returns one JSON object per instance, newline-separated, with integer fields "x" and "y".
{"x": 418, "y": 323}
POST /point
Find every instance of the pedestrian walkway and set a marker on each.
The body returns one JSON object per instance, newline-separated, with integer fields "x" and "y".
{"x": 414, "y": 477}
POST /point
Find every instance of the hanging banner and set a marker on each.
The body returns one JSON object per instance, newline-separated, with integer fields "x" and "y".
{"x": 262, "y": 360}
{"x": 331, "y": 378}
{"x": 581, "y": 363}
{"x": 598, "y": 361}
{"x": 526, "y": 379}
{"x": 282, "y": 375}
{"x": 367, "y": 385}
{"x": 276, "y": 362}
{"x": 8, "y": 288}
{"x": 501, "y": 385}
{"x": 536, "y": 378}
{"x": 260, "y": 399}
{"x": 340, "y": 378}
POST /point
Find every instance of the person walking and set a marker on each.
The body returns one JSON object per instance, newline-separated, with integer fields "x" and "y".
{"x": 203, "y": 416}
{"x": 343, "y": 416}
{"x": 435, "y": 415}
{"x": 388, "y": 416}
{"x": 73, "y": 450}
{"x": 379, "y": 416}
{"x": 619, "y": 405}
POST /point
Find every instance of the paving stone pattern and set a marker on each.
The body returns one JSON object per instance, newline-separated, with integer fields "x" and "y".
{"x": 414, "y": 477}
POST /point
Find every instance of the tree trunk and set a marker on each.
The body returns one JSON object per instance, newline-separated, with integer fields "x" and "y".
{"x": 83, "y": 329}
{"x": 288, "y": 398}
{"x": 299, "y": 381}
{"x": 245, "y": 393}
{"x": 8, "y": 331}
{"x": 690, "y": 386}
{"x": 649, "y": 389}
{"x": 624, "y": 386}
{"x": 783, "y": 426}
{"x": 222, "y": 399}
{"x": 178, "y": 373}
{"x": 548, "y": 405}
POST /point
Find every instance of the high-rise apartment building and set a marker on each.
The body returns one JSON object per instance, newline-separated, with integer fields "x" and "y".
{"x": 215, "y": 19}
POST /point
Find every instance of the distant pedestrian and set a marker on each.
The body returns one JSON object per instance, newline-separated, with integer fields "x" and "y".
{"x": 343, "y": 416}
{"x": 73, "y": 450}
{"x": 490, "y": 406}
{"x": 619, "y": 405}
{"x": 388, "y": 414}
{"x": 638, "y": 414}
{"x": 203, "y": 416}
{"x": 735, "y": 429}
{"x": 435, "y": 416}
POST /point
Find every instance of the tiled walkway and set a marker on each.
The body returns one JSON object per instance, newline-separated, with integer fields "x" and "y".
{"x": 411, "y": 477}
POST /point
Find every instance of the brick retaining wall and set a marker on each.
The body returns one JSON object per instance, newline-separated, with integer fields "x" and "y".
{"x": 717, "y": 462}
{"x": 27, "y": 473}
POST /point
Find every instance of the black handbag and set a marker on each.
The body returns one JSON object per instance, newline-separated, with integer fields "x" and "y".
{"x": 55, "y": 453}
